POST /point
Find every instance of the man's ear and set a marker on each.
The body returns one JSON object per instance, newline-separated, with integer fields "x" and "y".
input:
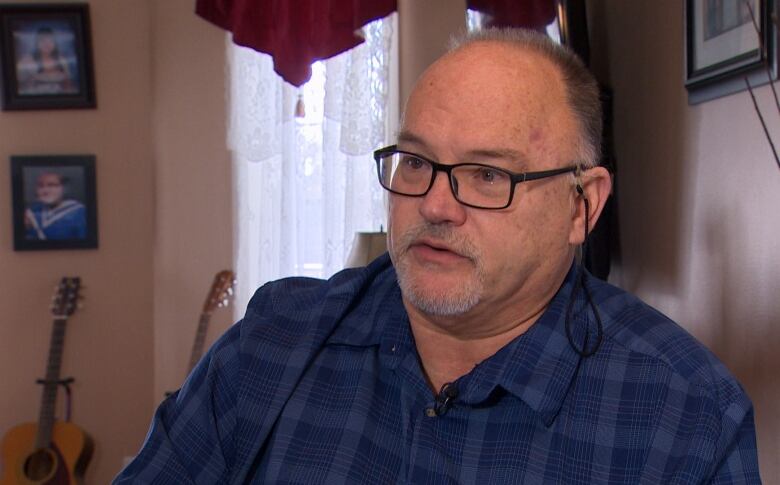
{"x": 596, "y": 186}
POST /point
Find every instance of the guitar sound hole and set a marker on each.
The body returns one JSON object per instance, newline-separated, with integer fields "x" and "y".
{"x": 39, "y": 465}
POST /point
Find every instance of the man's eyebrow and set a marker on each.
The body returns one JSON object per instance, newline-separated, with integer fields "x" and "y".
{"x": 508, "y": 154}
{"x": 409, "y": 137}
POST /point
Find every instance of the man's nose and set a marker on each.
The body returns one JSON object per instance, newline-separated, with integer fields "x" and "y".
{"x": 439, "y": 204}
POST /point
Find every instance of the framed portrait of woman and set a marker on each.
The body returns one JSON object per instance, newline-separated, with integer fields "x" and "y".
{"x": 46, "y": 56}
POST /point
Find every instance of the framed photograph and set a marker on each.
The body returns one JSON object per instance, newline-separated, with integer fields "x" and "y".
{"x": 727, "y": 43}
{"x": 54, "y": 202}
{"x": 46, "y": 56}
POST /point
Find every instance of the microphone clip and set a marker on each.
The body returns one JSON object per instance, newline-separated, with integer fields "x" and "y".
{"x": 445, "y": 398}
{"x": 578, "y": 180}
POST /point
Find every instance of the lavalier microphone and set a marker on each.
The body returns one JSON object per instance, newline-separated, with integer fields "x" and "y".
{"x": 445, "y": 398}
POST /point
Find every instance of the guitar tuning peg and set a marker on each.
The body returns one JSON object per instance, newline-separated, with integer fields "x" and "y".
{"x": 230, "y": 291}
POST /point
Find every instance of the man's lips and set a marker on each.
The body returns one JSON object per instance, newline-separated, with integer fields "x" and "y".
{"x": 435, "y": 251}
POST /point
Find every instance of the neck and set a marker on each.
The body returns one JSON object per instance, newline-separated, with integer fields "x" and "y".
{"x": 451, "y": 346}
{"x": 53, "y": 205}
{"x": 446, "y": 356}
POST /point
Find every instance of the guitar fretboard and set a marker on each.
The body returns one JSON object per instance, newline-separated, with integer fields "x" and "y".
{"x": 200, "y": 339}
{"x": 49, "y": 396}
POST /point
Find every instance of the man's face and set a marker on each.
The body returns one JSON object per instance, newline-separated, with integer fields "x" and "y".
{"x": 497, "y": 105}
{"x": 49, "y": 188}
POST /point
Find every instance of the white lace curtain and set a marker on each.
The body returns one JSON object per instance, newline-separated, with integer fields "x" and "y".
{"x": 304, "y": 186}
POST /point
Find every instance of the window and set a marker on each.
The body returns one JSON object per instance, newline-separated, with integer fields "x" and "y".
{"x": 305, "y": 185}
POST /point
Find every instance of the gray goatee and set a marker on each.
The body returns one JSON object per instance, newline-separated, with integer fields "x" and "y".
{"x": 454, "y": 299}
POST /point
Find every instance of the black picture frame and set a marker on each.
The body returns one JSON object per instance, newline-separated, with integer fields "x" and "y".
{"x": 46, "y": 52}
{"x": 54, "y": 202}
{"x": 723, "y": 49}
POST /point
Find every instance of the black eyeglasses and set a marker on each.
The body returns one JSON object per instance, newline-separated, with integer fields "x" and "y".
{"x": 473, "y": 184}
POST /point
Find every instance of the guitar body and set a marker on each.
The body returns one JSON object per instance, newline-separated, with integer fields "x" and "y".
{"x": 49, "y": 452}
{"x": 62, "y": 464}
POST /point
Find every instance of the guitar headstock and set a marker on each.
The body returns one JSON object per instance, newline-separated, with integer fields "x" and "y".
{"x": 221, "y": 291}
{"x": 66, "y": 297}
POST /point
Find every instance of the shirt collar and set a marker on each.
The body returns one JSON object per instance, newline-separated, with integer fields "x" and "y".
{"x": 379, "y": 309}
{"x": 539, "y": 365}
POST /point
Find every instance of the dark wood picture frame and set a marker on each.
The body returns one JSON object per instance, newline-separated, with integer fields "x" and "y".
{"x": 46, "y": 57}
{"x": 54, "y": 202}
{"x": 723, "y": 49}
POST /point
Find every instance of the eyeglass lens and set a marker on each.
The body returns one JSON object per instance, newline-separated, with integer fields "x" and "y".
{"x": 472, "y": 184}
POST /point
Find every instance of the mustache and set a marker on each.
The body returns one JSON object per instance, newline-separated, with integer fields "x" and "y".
{"x": 441, "y": 233}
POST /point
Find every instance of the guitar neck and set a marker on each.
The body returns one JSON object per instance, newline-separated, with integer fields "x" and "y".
{"x": 49, "y": 395}
{"x": 218, "y": 295}
{"x": 200, "y": 339}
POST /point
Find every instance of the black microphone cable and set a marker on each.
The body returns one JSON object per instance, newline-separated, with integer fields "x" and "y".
{"x": 580, "y": 284}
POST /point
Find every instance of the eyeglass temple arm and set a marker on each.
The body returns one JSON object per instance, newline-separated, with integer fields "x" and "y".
{"x": 549, "y": 173}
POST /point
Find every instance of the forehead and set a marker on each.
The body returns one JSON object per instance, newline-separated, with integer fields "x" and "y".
{"x": 49, "y": 178}
{"x": 492, "y": 96}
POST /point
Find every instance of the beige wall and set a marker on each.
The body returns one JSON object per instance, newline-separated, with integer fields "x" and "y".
{"x": 193, "y": 227}
{"x": 424, "y": 32}
{"x": 163, "y": 178}
{"x": 699, "y": 193}
{"x": 108, "y": 345}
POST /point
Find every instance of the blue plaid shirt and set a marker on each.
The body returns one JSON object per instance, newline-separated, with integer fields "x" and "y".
{"x": 321, "y": 383}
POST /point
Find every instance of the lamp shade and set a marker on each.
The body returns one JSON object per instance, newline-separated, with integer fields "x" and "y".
{"x": 366, "y": 247}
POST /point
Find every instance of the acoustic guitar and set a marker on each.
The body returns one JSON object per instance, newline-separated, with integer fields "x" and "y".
{"x": 219, "y": 296}
{"x": 49, "y": 452}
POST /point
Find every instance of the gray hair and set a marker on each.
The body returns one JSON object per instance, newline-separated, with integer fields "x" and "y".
{"x": 582, "y": 90}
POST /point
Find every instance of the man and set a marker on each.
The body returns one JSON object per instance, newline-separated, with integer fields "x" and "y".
{"x": 482, "y": 354}
{"x": 52, "y": 216}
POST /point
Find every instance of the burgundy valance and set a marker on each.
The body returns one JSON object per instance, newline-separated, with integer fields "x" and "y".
{"x": 531, "y": 14}
{"x": 295, "y": 33}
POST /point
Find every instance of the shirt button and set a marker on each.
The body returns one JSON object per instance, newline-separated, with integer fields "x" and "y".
{"x": 430, "y": 412}
{"x": 392, "y": 349}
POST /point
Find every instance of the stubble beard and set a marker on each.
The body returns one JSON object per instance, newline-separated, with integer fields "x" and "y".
{"x": 455, "y": 298}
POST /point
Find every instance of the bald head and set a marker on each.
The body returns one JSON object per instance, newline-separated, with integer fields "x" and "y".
{"x": 490, "y": 101}
{"x": 523, "y": 64}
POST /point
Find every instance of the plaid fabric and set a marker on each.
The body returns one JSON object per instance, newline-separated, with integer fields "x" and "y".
{"x": 321, "y": 383}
